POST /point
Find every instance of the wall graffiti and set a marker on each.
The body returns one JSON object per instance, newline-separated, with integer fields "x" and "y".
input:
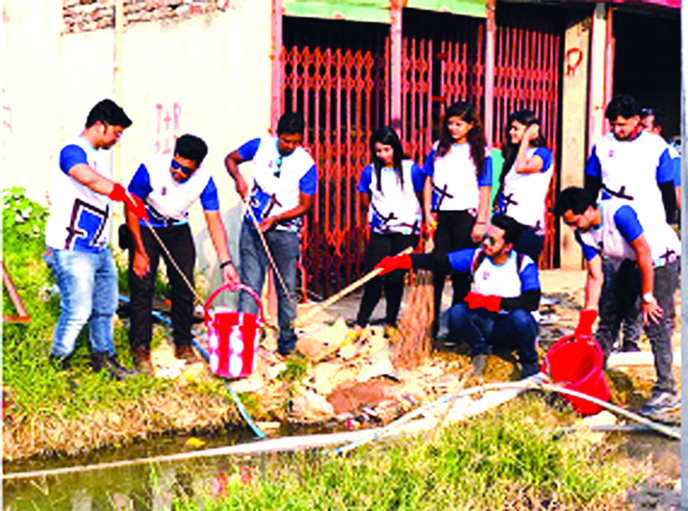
{"x": 574, "y": 58}
{"x": 168, "y": 127}
{"x": 6, "y": 124}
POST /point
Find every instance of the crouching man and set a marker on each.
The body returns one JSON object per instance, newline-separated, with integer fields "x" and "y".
{"x": 614, "y": 229}
{"x": 169, "y": 185}
{"x": 506, "y": 289}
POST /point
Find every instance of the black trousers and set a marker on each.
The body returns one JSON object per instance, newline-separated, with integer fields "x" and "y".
{"x": 453, "y": 233}
{"x": 380, "y": 246}
{"x": 179, "y": 242}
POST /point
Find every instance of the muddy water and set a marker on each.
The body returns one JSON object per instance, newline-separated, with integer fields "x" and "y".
{"x": 150, "y": 487}
{"x": 156, "y": 487}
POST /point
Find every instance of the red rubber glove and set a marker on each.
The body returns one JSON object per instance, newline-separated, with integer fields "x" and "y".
{"x": 389, "y": 264}
{"x": 585, "y": 320}
{"x": 478, "y": 301}
{"x": 133, "y": 203}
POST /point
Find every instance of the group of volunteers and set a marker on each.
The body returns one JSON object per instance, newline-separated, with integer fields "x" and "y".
{"x": 157, "y": 202}
{"x": 490, "y": 249}
{"x": 621, "y": 219}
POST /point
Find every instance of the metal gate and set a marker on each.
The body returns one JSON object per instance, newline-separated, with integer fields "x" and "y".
{"x": 528, "y": 51}
{"x": 335, "y": 73}
{"x": 442, "y": 62}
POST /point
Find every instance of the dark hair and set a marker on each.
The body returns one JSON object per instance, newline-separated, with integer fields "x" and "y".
{"x": 574, "y": 199}
{"x": 622, "y": 105}
{"x": 476, "y": 135}
{"x": 387, "y": 136}
{"x": 510, "y": 150}
{"x": 108, "y": 112}
{"x": 291, "y": 123}
{"x": 512, "y": 229}
{"x": 656, "y": 113}
{"x": 191, "y": 147}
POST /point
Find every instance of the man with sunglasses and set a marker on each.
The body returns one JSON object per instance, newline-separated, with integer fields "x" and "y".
{"x": 284, "y": 184}
{"x": 81, "y": 190}
{"x": 615, "y": 230}
{"x": 506, "y": 289}
{"x": 169, "y": 185}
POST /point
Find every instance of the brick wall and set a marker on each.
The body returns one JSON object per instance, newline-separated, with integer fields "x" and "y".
{"x": 87, "y": 15}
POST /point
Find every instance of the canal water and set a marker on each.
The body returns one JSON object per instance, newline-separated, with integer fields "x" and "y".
{"x": 150, "y": 486}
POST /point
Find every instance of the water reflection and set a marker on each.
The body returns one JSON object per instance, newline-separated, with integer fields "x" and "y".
{"x": 149, "y": 487}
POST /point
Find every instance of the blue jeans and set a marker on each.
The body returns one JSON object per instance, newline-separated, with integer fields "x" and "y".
{"x": 88, "y": 293}
{"x": 481, "y": 328}
{"x": 285, "y": 248}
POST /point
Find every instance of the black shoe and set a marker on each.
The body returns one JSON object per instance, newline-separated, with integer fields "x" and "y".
{"x": 103, "y": 360}
{"x": 60, "y": 363}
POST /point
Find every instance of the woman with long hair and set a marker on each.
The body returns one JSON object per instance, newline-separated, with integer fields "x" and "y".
{"x": 389, "y": 186}
{"x": 457, "y": 187}
{"x": 525, "y": 180}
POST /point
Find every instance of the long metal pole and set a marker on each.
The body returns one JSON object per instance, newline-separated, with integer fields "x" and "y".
{"x": 684, "y": 259}
{"x": 276, "y": 56}
{"x": 488, "y": 114}
{"x": 396, "y": 41}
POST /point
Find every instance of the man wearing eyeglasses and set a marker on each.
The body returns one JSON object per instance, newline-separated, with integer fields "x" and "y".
{"x": 284, "y": 184}
{"x": 169, "y": 185}
{"x": 506, "y": 289}
{"x": 81, "y": 191}
{"x": 614, "y": 229}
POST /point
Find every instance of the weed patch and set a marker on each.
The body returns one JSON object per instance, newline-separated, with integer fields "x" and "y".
{"x": 508, "y": 459}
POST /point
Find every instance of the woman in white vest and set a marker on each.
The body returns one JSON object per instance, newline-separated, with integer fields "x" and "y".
{"x": 457, "y": 188}
{"x": 524, "y": 181}
{"x": 390, "y": 186}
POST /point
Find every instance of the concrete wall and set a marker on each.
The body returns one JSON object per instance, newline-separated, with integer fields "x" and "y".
{"x": 574, "y": 148}
{"x": 208, "y": 75}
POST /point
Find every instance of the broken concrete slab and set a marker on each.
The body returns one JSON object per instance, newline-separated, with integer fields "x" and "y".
{"x": 348, "y": 396}
{"x": 310, "y": 406}
{"x": 323, "y": 342}
{"x": 637, "y": 358}
{"x": 376, "y": 364}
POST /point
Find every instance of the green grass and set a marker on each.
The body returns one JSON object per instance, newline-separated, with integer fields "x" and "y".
{"x": 36, "y": 389}
{"x": 508, "y": 459}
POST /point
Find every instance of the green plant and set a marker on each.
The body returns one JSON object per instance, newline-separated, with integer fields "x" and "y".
{"x": 21, "y": 216}
{"x": 297, "y": 367}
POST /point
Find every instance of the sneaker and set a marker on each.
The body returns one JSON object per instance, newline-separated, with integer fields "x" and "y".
{"x": 661, "y": 403}
{"x": 186, "y": 353}
{"x": 104, "y": 360}
{"x": 479, "y": 362}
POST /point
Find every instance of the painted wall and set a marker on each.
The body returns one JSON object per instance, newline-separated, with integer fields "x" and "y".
{"x": 208, "y": 75}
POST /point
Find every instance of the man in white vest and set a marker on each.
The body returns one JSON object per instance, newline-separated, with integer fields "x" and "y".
{"x": 615, "y": 230}
{"x": 284, "y": 182}
{"x": 169, "y": 185}
{"x": 76, "y": 235}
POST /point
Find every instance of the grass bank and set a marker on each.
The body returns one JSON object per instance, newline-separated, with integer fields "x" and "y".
{"x": 47, "y": 411}
{"x": 507, "y": 459}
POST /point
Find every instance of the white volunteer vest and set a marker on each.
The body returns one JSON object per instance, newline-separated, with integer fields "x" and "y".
{"x": 78, "y": 216}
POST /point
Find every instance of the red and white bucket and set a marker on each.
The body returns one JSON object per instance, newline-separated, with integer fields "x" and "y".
{"x": 233, "y": 337}
{"x": 578, "y": 364}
